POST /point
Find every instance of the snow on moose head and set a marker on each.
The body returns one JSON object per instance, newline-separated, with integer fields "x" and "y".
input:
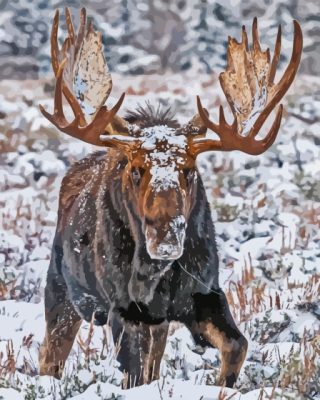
{"x": 159, "y": 178}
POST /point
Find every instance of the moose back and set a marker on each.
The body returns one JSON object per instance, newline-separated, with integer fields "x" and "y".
{"x": 135, "y": 242}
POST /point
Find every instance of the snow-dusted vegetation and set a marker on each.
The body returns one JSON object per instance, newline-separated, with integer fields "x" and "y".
{"x": 266, "y": 213}
{"x": 266, "y": 209}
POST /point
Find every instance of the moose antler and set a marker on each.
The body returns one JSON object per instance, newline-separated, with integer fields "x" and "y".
{"x": 248, "y": 84}
{"x": 83, "y": 77}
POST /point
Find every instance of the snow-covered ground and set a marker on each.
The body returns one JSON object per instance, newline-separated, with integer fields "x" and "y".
{"x": 267, "y": 216}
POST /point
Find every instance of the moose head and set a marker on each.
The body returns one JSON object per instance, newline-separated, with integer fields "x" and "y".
{"x": 159, "y": 178}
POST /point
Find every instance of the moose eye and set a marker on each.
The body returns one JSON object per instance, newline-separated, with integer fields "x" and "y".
{"x": 137, "y": 174}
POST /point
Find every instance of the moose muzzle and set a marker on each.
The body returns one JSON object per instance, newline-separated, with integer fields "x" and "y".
{"x": 165, "y": 241}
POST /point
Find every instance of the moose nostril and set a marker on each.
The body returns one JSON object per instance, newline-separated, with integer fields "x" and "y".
{"x": 149, "y": 221}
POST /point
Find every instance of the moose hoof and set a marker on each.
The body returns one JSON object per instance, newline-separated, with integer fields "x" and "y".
{"x": 51, "y": 370}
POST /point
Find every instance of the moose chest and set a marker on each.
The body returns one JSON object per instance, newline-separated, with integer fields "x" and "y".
{"x": 99, "y": 275}
{"x": 99, "y": 278}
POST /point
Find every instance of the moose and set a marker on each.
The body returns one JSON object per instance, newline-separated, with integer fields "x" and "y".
{"x": 135, "y": 242}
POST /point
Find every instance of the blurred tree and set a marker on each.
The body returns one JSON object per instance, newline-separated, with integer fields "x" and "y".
{"x": 147, "y": 36}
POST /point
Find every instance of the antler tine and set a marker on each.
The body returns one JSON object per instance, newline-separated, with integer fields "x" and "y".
{"x": 69, "y": 25}
{"x": 81, "y": 30}
{"x": 269, "y": 139}
{"x": 222, "y": 120}
{"x": 104, "y": 116}
{"x": 58, "y": 106}
{"x": 276, "y": 57}
{"x": 245, "y": 37}
{"x": 54, "y": 43}
{"x": 209, "y": 124}
{"x": 223, "y": 126}
{"x": 66, "y": 45}
{"x": 55, "y": 61}
{"x": 117, "y": 106}
{"x": 58, "y": 117}
{"x": 255, "y": 35}
{"x": 90, "y": 27}
{"x": 251, "y": 94}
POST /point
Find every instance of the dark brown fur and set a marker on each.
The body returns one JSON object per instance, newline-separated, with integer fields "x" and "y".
{"x": 100, "y": 267}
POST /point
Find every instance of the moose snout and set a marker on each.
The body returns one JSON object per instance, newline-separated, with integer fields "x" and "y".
{"x": 165, "y": 241}
{"x": 168, "y": 251}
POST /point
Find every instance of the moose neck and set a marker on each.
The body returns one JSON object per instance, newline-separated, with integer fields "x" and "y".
{"x": 146, "y": 272}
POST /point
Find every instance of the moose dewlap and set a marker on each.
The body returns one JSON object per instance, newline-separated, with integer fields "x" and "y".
{"x": 135, "y": 241}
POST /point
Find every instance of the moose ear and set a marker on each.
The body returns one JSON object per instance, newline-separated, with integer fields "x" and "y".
{"x": 195, "y": 127}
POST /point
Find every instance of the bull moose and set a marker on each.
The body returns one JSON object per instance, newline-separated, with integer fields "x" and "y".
{"x": 135, "y": 242}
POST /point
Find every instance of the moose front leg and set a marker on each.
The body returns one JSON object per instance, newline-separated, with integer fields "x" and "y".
{"x": 158, "y": 336}
{"x": 140, "y": 349}
{"x": 213, "y": 321}
{"x": 62, "y": 325}
{"x": 132, "y": 343}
